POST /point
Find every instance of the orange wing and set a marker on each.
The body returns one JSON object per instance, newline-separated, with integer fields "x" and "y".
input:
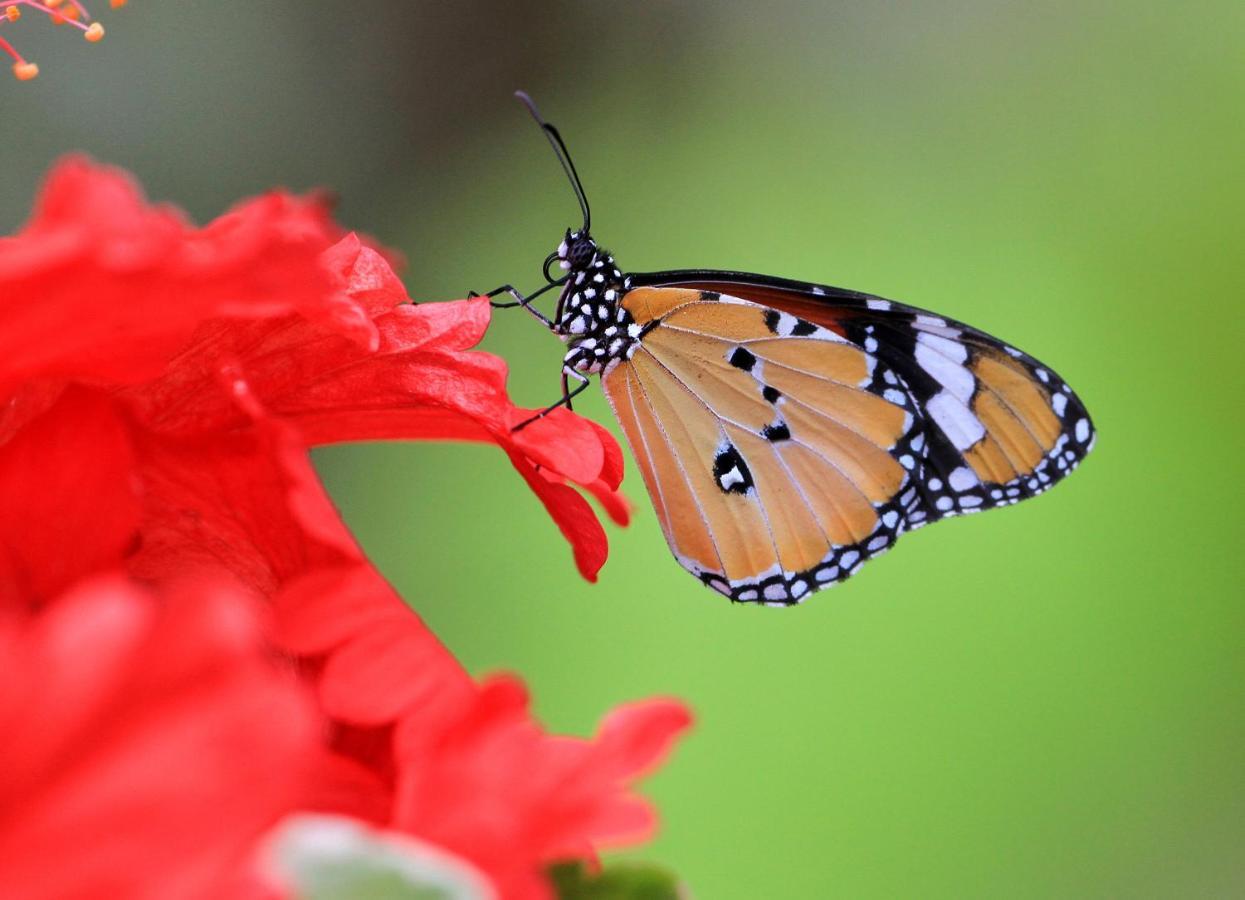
{"x": 777, "y": 462}
{"x": 999, "y": 425}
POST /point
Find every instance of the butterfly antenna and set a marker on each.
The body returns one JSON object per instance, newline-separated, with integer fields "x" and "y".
{"x": 564, "y": 156}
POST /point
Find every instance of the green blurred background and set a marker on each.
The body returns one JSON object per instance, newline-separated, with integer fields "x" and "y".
{"x": 1039, "y": 702}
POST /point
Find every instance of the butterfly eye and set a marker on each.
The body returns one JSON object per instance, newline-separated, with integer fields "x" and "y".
{"x": 580, "y": 253}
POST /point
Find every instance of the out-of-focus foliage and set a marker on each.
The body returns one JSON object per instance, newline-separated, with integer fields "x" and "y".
{"x": 619, "y": 881}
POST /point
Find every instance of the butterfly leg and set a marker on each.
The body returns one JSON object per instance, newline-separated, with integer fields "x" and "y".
{"x": 567, "y": 396}
{"x": 520, "y": 300}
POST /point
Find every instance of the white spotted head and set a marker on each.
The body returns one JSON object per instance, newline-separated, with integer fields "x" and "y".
{"x": 577, "y": 252}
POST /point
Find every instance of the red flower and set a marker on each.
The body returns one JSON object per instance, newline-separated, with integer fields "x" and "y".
{"x": 166, "y": 426}
{"x": 498, "y": 790}
{"x": 322, "y": 334}
{"x": 149, "y": 743}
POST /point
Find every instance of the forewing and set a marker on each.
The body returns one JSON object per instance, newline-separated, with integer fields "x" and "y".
{"x": 777, "y": 463}
{"x": 1000, "y": 425}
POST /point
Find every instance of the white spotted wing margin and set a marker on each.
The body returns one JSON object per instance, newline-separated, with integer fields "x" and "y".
{"x": 1002, "y": 426}
{"x": 779, "y": 456}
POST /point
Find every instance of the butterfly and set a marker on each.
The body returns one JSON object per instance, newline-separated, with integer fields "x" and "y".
{"x": 788, "y": 432}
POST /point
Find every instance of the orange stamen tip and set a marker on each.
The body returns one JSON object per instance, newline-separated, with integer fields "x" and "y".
{"x": 52, "y": 4}
{"x": 25, "y": 70}
{"x": 94, "y": 33}
{"x": 71, "y": 13}
{"x": 13, "y": 13}
{"x": 117, "y": 3}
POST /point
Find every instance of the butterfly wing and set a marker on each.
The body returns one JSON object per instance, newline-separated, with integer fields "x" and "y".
{"x": 1000, "y": 425}
{"x": 777, "y": 463}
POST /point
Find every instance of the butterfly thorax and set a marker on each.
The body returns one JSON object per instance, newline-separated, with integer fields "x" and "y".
{"x": 598, "y": 331}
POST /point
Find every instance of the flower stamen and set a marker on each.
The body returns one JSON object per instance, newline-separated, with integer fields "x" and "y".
{"x": 60, "y": 12}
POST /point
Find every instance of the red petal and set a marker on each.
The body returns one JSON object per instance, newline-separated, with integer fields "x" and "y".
{"x": 114, "y": 777}
{"x": 561, "y": 442}
{"x": 345, "y": 786}
{"x": 121, "y": 285}
{"x": 322, "y": 609}
{"x": 573, "y": 516}
{"x": 635, "y": 737}
{"x": 383, "y": 659}
{"x": 365, "y": 275}
{"x": 612, "y": 469}
{"x": 246, "y": 501}
{"x": 615, "y": 503}
{"x": 382, "y": 673}
{"x": 70, "y": 497}
{"x": 457, "y": 325}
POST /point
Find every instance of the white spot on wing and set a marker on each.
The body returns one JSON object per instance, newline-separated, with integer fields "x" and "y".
{"x": 943, "y": 360}
{"x": 960, "y": 426}
{"x": 962, "y": 479}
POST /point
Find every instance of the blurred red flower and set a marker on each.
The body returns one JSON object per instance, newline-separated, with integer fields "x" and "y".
{"x": 149, "y": 742}
{"x": 163, "y": 385}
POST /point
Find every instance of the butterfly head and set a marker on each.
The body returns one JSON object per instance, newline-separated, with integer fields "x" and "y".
{"x": 577, "y": 251}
